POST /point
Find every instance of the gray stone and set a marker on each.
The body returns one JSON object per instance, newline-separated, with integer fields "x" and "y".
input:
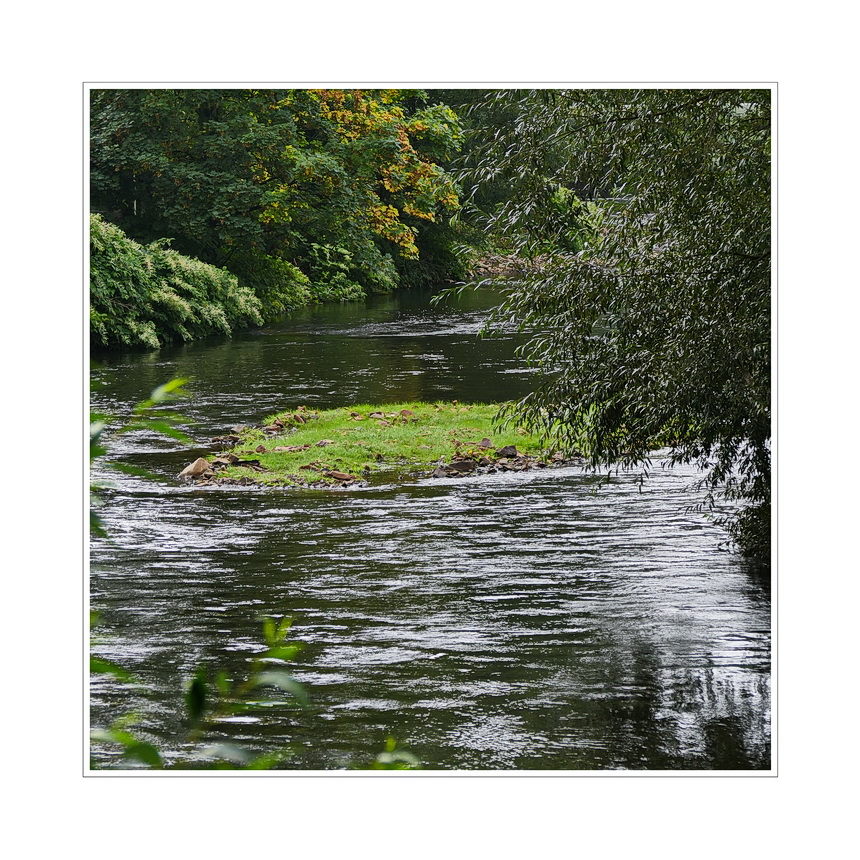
{"x": 463, "y": 465}
{"x": 196, "y": 469}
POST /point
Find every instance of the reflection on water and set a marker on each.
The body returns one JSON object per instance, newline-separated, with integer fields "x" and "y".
{"x": 517, "y": 621}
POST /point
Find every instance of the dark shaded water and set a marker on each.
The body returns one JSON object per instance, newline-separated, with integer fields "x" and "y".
{"x": 516, "y": 621}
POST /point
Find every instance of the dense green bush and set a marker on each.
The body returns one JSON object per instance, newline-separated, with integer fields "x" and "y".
{"x": 334, "y": 274}
{"x": 278, "y": 284}
{"x": 333, "y": 277}
{"x": 146, "y": 296}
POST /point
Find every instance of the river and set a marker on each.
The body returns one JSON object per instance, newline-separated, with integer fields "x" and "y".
{"x": 516, "y": 621}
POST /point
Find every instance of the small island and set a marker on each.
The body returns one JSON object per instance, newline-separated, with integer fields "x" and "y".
{"x": 344, "y": 447}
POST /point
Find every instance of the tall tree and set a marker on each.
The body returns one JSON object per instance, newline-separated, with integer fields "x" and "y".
{"x": 642, "y": 220}
{"x": 334, "y": 182}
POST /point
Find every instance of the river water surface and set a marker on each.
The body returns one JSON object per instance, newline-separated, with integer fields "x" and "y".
{"x": 516, "y": 621}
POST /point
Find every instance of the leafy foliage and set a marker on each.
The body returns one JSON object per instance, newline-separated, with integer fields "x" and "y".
{"x": 394, "y": 758}
{"x": 641, "y": 220}
{"x": 152, "y": 295}
{"x": 261, "y": 180}
{"x": 207, "y": 699}
{"x": 148, "y": 415}
{"x": 209, "y": 696}
{"x": 483, "y": 116}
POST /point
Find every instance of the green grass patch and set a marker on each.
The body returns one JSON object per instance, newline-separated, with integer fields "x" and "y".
{"x": 366, "y": 440}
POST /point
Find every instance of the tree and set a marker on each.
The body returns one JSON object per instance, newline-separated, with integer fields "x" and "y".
{"x": 276, "y": 185}
{"x": 641, "y": 219}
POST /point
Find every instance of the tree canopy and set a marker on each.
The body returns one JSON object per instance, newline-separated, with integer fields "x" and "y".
{"x": 332, "y": 186}
{"x": 642, "y": 222}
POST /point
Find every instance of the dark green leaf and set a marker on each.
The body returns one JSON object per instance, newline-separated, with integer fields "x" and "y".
{"x": 196, "y": 696}
{"x": 143, "y": 752}
{"x": 100, "y": 666}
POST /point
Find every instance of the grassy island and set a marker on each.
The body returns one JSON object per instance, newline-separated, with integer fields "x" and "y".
{"x": 304, "y": 447}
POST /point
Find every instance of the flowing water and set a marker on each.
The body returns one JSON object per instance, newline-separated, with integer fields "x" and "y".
{"x": 515, "y": 621}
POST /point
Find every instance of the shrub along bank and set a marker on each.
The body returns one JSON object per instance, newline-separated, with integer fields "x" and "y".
{"x": 150, "y": 295}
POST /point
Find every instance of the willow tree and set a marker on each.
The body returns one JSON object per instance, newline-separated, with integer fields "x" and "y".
{"x": 641, "y": 222}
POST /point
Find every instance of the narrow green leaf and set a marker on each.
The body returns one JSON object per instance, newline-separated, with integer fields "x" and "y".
{"x": 156, "y": 425}
{"x": 284, "y": 652}
{"x": 96, "y": 430}
{"x": 267, "y": 761}
{"x": 173, "y": 387}
{"x": 222, "y": 683}
{"x": 400, "y": 760}
{"x": 168, "y": 391}
{"x": 143, "y": 752}
{"x": 102, "y": 736}
{"x": 228, "y": 752}
{"x": 136, "y": 471}
{"x": 97, "y": 529}
{"x": 100, "y": 666}
{"x": 284, "y": 626}
{"x": 284, "y": 682}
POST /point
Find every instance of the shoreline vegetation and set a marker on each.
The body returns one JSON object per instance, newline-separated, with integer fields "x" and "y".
{"x": 269, "y": 200}
{"x": 353, "y": 445}
{"x": 629, "y": 233}
{"x": 150, "y": 296}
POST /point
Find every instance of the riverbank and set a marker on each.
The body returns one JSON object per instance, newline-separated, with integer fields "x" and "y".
{"x": 347, "y": 446}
